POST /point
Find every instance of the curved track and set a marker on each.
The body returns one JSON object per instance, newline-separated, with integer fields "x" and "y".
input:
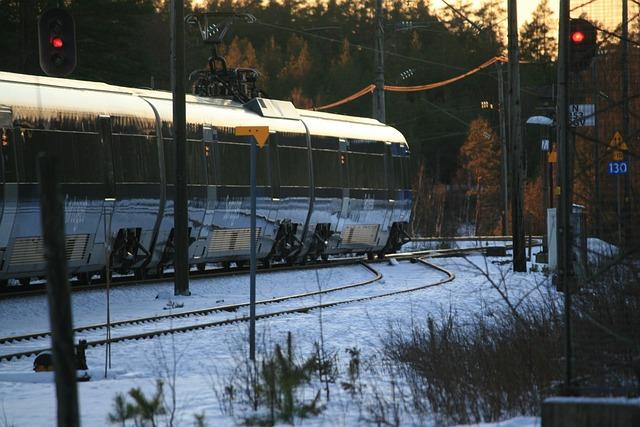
{"x": 41, "y": 289}
{"x": 303, "y": 309}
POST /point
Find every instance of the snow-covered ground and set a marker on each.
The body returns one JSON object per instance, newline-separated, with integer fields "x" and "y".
{"x": 205, "y": 358}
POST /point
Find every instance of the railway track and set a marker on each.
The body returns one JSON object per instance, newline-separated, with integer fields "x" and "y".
{"x": 227, "y": 321}
{"x": 41, "y": 289}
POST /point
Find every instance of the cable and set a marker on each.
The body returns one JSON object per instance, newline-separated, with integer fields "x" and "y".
{"x": 359, "y": 46}
{"x": 370, "y": 88}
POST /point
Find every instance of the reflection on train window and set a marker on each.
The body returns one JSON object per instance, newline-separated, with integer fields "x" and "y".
{"x": 400, "y": 169}
{"x": 76, "y": 153}
{"x": 292, "y": 139}
{"x": 366, "y": 171}
{"x": 326, "y": 167}
{"x": 294, "y": 169}
{"x": 234, "y": 164}
{"x": 196, "y": 167}
{"x": 135, "y": 158}
{"x": 8, "y": 161}
{"x": 366, "y": 146}
{"x": 196, "y": 162}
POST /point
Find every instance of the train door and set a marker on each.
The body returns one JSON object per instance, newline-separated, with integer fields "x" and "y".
{"x": 107, "y": 155}
{"x": 344, "y": 181}
{"x": 7, "y": 171}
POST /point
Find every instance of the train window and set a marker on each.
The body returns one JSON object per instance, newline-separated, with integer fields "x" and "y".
{"x": 274, "y": 165}
{"x": 324, "y": 142}
{"x": 7, "y": 149}
{"x": 132, "y": 125}
{"x": 294, "y": 169}
{"x": 366, "y": 146}
{"x": 366, "y": 171}
{"x": 326, "y": 168}
{"x": 401, "y": 172}
{"x": 292, "y": 139}
{"x": 196, "y": 168}
{"x": 75, "y": 152}
{"x": 135, "y": 158}
{"x": 234, "y": 164}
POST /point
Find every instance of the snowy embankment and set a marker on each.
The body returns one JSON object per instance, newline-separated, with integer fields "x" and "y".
{"x": 203, "y": 360}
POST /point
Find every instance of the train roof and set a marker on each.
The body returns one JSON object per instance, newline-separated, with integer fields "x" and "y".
{"x": 31, "y": 96}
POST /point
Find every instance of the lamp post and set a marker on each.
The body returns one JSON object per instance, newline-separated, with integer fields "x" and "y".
{"x": 545, "y": 146}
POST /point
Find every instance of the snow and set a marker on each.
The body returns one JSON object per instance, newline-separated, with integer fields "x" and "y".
{"x": 208, "y": 356}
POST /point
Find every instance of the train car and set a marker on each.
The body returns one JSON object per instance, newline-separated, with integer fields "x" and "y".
{"x": 327, "y": 183}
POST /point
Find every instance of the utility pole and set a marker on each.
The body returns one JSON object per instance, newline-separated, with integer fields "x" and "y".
{"x": 596, "y": 146}
{"x": 503, "y": 148}
{"x": 625, "y": 219}
{"x": 378, "y": 93}
{"x": 181, "y": 218}
{"x": 564, "y": 274}
{"x": 59, "y": 292}
{"x": 515, "y": 141}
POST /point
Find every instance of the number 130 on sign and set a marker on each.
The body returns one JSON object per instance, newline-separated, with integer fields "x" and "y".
{"x": 618, "y": 168}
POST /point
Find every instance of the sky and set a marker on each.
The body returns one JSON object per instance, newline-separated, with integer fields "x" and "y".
{"x": 525, "y": 7}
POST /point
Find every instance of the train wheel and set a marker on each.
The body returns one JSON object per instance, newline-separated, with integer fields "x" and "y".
{"x": 381, "y": 255}
{"x": 4, "y": 284}
{"x": 241, "y": 264}
{"x": 24, "y": 281}
{"x": 325, "y": 257}
{"x": 140, "y": 274}
{"x": 370, "y": 256}
{"x": 201, "y": 266}
{"x": 226, "y": 265}
{"x": 266, "y": 263}
{"x": 84, "y": 278}
{"x": 103, "y": 275}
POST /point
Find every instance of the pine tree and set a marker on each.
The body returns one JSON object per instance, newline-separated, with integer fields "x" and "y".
{"x": 537, "y": 42}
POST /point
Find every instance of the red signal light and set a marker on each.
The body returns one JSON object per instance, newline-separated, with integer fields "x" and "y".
{"x": 57, "y": 42}
{"x": 577, "y": 37}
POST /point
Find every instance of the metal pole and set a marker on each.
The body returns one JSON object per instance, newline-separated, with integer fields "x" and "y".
{"x": 544, "y": 170}
{"x": 108, "y": 212}
{"x": 505, "y": 155}
{"x": 515, "y": 139}
{"x": 58, "y": 292}
{"x": 252, "y": 284}
{"x": 564, "y": 177}
{"x": 378, "y": 94}
{"x": 181, "y": 219}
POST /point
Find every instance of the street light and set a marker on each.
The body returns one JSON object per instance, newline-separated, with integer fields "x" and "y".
{"x": 545, "y": 146}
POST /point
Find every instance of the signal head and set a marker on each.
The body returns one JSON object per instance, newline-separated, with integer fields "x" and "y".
{"x": 582, "y": 44}
{"x": 57, "y": 42}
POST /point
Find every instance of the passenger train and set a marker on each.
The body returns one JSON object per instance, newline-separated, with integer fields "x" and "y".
{"x": 327, "y": 184}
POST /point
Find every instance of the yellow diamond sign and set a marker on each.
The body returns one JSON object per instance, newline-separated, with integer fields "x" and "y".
{"x": 616, "y": 141}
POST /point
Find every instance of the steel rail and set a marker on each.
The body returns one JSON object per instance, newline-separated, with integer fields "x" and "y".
{"x": 40, "y": 289}
{"x": 199, "y": 312}
{"x": 299, "y": 310}
{"x": 435, "y": 253}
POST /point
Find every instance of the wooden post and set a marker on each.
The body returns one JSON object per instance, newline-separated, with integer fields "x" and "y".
{"x": 515, "y": 141}
{"x": 180, "y": 207}
{"x": 58, "y": 292}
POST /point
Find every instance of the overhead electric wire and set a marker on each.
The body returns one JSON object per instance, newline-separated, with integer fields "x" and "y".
{"x": 392, "y": 88}
{"x": 359, "y": 46}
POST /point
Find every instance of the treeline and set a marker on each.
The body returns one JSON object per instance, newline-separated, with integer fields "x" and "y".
{"x": 314, "y": 53}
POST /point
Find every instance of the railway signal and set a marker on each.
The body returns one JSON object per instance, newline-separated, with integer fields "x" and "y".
{"x": 57, "y": 42}
{"x": 582, "y": 44}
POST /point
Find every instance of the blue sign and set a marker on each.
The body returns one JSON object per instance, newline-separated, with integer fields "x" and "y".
{"x": 618, "y": 168}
